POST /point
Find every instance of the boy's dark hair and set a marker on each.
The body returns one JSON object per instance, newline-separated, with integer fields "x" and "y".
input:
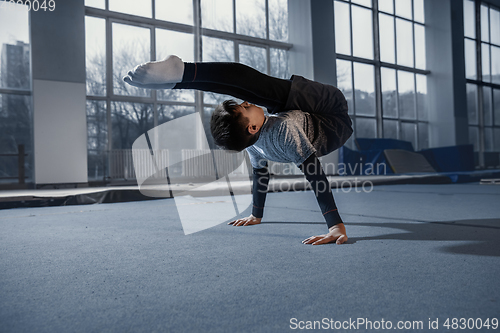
{"x": 229, "y": 127}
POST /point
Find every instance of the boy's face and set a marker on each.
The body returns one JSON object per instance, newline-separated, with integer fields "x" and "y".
{"x": 253, "y": 113}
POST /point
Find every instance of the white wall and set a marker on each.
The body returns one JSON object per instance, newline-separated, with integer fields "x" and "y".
{"x": 60, "y": 132}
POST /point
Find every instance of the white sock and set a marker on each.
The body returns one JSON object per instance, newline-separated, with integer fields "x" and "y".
{"x": 169, "y": 70}
{"x": 157, "y": 86}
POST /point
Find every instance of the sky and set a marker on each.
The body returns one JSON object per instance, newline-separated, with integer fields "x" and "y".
{"x": 13, "y": 24}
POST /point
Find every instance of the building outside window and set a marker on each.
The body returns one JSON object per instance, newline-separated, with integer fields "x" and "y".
{"x": 15, "y": 93}
{"x": 121, "y": 34}
{"x": 381, "y": 68}
{"x": 482, "y": 71}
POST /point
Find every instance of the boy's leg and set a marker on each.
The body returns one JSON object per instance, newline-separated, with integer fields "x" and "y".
{"x": 227, "y": 90}
{"x": 315, "y": 97}
{"x": 328, "y": 109}
{"x": 234, "y": 79}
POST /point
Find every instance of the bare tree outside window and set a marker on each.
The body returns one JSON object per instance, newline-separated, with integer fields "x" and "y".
{"x": 131, "y": 46}
{"x": 129, "y": 121}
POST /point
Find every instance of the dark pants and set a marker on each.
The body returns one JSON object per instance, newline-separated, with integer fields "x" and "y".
{"x": 237, "y": 80}
{"x": 330, "y": 126}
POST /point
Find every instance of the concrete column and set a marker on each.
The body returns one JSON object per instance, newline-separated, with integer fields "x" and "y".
{"x": 58, "y": 67}
{"x": 440, "y": 81}
{"x": 446, "y": 83}
{"x": 311, "y": 27}
{"x": 325, "y": 59}
{"x": 323, "y": 38}
{"x": 459, "y": 81}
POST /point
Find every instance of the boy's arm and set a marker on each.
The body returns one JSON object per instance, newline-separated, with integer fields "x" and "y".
{"x": 321, "y": 188}
{"x": 259, "y": 189}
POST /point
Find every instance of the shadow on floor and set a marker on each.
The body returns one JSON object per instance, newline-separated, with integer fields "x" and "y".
{"x": 482, "y": 235}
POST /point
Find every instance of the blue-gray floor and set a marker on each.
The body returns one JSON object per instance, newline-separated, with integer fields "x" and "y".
{"x": 415, "y": 252}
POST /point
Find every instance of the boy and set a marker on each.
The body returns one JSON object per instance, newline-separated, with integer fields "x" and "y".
{"x": 311, "y": 120}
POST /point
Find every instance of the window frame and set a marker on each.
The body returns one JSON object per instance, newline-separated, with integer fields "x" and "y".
{"x": 378, "y": 64}
{"x": 480, "y": 83}
{"x": 28, "y": 93}
{"x": 198, "y": 32}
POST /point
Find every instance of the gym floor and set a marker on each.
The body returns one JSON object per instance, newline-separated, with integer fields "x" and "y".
{"x": 416, "y": 253}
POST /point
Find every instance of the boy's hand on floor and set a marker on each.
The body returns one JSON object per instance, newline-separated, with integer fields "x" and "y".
{"x": 336, "y": 234}
{"x": 250, "y": 220}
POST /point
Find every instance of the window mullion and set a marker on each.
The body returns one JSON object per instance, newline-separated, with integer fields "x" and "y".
{"x": 395, "y": 38}
{"x": 415, "y": 107}
{"x": 234, "y": 16}
{"x": 481, "y": 124}
{"x": 350, "y": 30}
{"x": 478, "y": 42}
{"x": 378, "y": 75}
{"x": 109, "y": 82}
{"x": 488, "y": 44}
{"x": 398, "y": 108}
{"x": 198, "y": 57}
{"x": 154, "y": 94}
{"x": 353, "y": 90}
{"x": 489, "y": 65}
{"x": 236, "y": 51}
{"x": 489, "y": 25}
{"x": 352, "y": 66}
{"x": 414, "y": 75}
{"x": 267, "y": 19}
{"x": 197, "y": 30}
{"x": 480, "y": 86}
{"x": 413, "y": 35}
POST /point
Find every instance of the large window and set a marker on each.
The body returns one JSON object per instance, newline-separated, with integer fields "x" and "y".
{"x": 15, "y": 93}
{"x": 482, "y": 70}
{"x": 381, "y": 68}
{"x": 121, "y": 34}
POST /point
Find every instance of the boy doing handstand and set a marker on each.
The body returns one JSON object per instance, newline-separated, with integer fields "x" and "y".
{"x": 308, "y": 120}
